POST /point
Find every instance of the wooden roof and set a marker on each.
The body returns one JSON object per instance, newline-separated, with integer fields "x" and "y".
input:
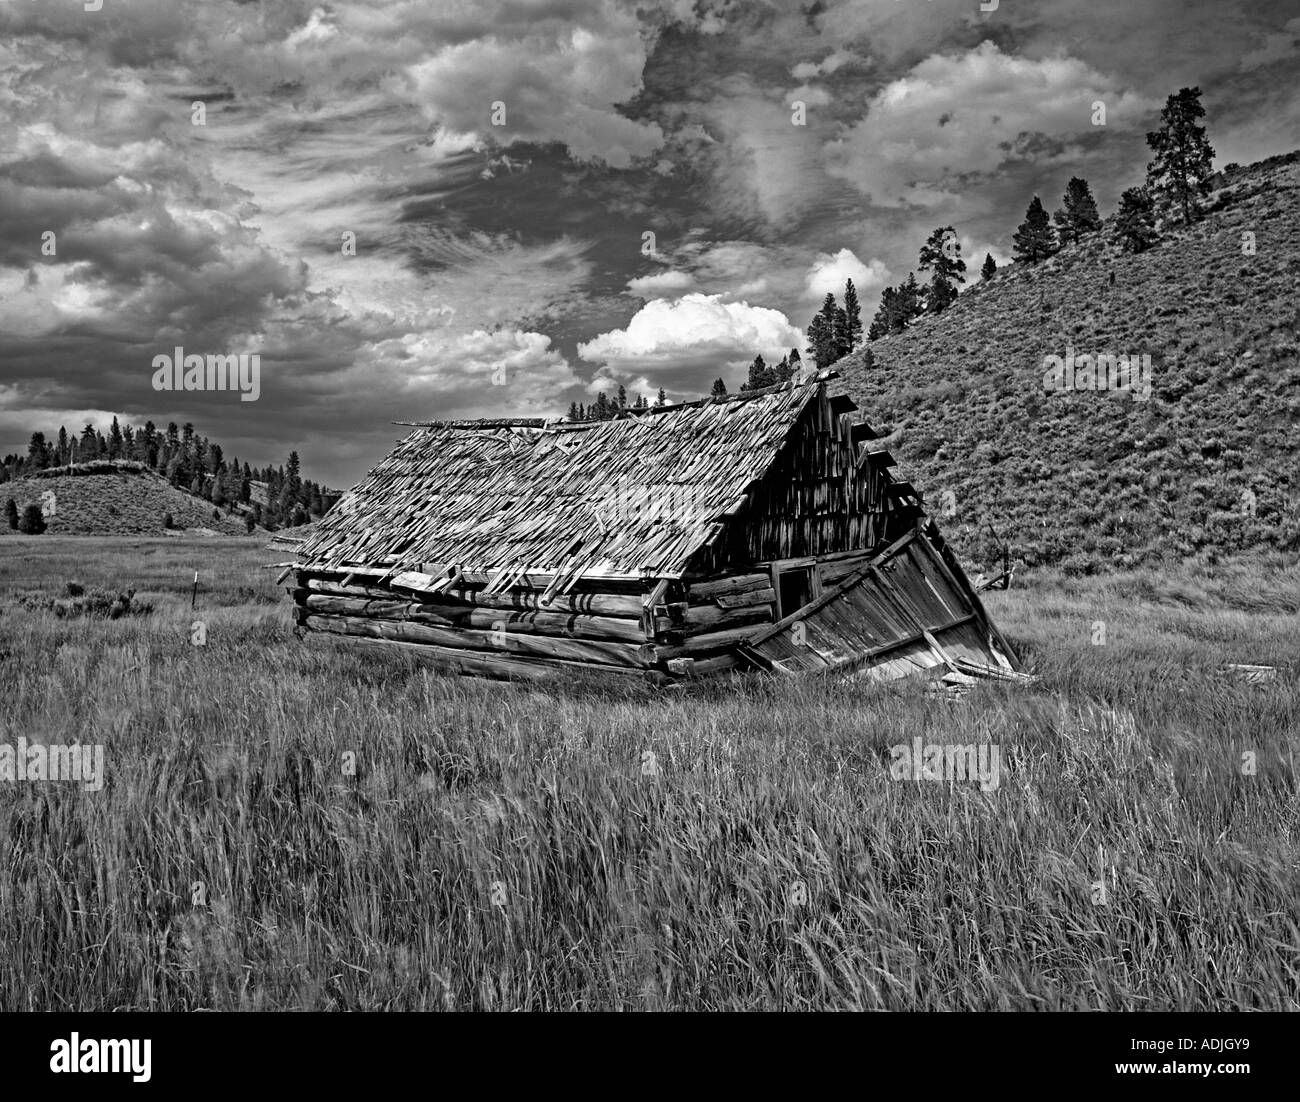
{"x": 633, "y": 497}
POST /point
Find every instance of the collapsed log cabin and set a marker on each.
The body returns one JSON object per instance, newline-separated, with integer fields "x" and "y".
{"x": 762, "y": 531}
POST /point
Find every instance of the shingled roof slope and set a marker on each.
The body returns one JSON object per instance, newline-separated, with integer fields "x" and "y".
{"x": 636, "y": 496}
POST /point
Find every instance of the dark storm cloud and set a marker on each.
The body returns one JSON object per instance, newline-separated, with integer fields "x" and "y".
{"x": 523, "y": 244}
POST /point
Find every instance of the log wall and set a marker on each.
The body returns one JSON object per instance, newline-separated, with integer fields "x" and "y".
{"x": 504, "y": 634}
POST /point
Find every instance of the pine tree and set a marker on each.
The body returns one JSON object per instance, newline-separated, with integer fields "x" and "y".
{"x": 826, "y": 333}
{"x": 662, "y": 398}
{"x": 38, "y": 453}
{"x": 843, "y": 343}
{"x": 146, "y": 444}
{"x": 853, "y": 312}
{"x": 879, "y": 326}
{"x": 719, "y": 389}
{"x": 1135, "y": 222}
{"x": 1178, "y": 174}
{"x": 941, "y": 255}
{"x": 87, "y": 450}
{"x": 291, "y": 487}
{"x": 990, "y": 266}
{"x": 622, "y": 397}
{"x": 760, "y": 375}
{"x": 1034, "y": 239}
{"x": 939, "y": 295}
{"x": 231, "y": 480}
{"x": 11, "y": 513}
{"x": 1078, "y": 214}
{"x": 573, "y": 411}
{"x": 65, "y": 455}
{"x": 817, "y": 340}
{"x": 908, "y": 302}
{"x": 115, "y": 440}
{"x": 829, "y": 314}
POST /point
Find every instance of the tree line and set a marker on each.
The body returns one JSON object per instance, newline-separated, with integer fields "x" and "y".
{"x": 605, "y": 408}
{"x": 1176, "y": 179}
{"x": 188, "y": 461}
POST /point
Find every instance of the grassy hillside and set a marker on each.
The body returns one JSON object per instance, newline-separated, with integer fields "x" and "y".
{"x": 1098, "y": 480}
{"x": 117, "y": 500}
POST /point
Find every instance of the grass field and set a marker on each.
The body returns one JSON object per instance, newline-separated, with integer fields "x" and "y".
{"x": 508, "y": 847}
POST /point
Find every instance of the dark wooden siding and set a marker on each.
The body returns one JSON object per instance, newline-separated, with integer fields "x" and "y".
{"x": 816, "y": 499}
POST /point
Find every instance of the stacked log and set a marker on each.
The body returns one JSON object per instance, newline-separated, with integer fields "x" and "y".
{"x": 504, "y": 635}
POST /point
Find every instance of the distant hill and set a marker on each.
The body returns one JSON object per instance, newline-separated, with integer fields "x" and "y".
{"x": 110, "y": 497}
{"x": 1209, "y": 466}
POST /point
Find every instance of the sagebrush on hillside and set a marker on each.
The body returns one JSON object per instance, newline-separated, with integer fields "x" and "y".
{"x": 1093, "y": 480}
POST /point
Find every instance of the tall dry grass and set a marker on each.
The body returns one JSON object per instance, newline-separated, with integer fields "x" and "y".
{"x": 507, "y": 847}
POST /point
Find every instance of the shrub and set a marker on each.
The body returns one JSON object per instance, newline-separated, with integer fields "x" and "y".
{"x": 98, "y": 603}
{"x": 11, "y": 513}
{"x": 32, "y": 522}
{"x": 924, "y": 445}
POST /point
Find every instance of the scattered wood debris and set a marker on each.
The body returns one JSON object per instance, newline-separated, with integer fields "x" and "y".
{"x": 1252, "y": 675}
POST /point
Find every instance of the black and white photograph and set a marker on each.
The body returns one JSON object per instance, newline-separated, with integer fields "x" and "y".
{"x": 706, "y": 506}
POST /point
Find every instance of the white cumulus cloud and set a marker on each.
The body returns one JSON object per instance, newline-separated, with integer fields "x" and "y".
{"x": 660, "y": 283}
{"x": 694, "y": 332}
{"x": 829, "y": 271}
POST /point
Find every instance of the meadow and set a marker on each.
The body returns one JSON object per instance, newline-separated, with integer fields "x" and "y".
{"x": 306, "y": 824}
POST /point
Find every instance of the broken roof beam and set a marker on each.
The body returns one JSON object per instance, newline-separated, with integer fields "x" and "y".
{"x": 484, "y": 423}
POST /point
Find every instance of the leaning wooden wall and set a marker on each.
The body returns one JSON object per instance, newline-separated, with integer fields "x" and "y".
{"x": 726, "y": 610}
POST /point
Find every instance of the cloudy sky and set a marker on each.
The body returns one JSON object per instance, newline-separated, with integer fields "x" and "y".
{"x": 584, "y": 192}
